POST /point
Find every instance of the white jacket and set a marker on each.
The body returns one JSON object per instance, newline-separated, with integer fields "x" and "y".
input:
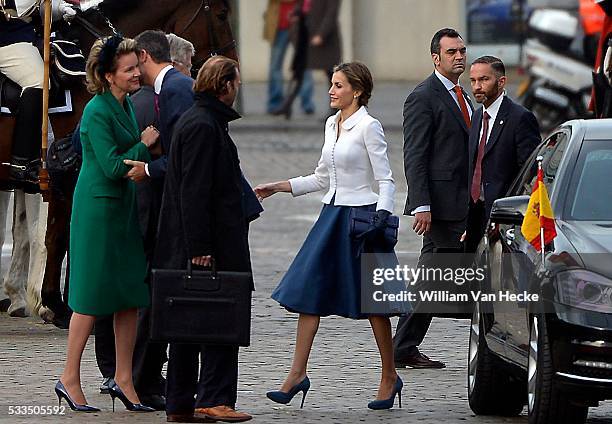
{"x": 350, "y": 166}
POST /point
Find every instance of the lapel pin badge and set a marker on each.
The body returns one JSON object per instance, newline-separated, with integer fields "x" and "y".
{"x": 501, "y": 122}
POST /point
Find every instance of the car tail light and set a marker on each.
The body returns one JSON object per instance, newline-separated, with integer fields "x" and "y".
{"x": 585, "y": 290}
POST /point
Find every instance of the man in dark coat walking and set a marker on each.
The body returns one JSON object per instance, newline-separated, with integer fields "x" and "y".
{"x": 203, "y": 219}
{"x": 437, "y": 119}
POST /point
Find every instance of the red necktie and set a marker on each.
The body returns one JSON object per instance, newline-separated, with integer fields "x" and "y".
{"x": 462, "y": 105}
{"x": 156, "y": 105}
{"x": 477, "y": 179}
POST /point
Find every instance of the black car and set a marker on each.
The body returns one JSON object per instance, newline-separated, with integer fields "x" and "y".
{"x": 553, "y": 354}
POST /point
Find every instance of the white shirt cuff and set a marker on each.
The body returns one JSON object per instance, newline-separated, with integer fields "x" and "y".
{"x": 425, "y": 208}
{"x": 147, "y": 169}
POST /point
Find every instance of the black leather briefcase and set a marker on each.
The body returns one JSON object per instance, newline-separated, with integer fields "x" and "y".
{"x": 204, "y": 307}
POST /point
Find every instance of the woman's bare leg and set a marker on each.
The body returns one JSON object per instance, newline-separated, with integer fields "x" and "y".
{"x": 381, "y": 326}
{"x": 306, "y": 332}
{"x": 125, "y": 337}
{"x": 78, "y": 334}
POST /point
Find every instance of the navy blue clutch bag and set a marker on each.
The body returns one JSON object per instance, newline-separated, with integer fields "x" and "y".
{"x": 362, "y": 222}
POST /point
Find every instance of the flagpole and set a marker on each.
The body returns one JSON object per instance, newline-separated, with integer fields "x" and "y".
{"x": 539, "y": 159}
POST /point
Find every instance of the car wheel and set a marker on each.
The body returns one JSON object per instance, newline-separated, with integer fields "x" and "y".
{"x": 490, "y": 390}
{"x": 545, "y": 402}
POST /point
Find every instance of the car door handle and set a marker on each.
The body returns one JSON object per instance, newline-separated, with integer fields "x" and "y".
{"x": 510, "y": 236}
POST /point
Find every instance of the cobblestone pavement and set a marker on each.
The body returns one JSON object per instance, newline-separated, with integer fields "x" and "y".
{"x": 344, "y": 367}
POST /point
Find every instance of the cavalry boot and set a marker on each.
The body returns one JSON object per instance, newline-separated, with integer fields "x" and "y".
{"x": 25, "y": 153}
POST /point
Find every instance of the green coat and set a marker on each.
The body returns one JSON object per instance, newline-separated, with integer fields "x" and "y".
{"x": 107, "y": 260}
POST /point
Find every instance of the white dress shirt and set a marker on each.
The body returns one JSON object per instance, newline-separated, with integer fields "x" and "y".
{"x": 450, "y": 87}
{"x": 159, "y": 80}
{"x": 492, "y": 110}
{"x": 351, "y": 165}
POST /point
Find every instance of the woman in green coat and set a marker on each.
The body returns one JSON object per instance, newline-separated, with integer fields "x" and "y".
{"x": 107, "y": 267}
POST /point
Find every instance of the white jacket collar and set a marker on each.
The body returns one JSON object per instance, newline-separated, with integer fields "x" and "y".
{"x": 353, "y": 119}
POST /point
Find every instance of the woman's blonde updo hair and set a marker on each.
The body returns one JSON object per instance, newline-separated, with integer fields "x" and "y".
{"x": 359, "y": 77}
{"x": 103, "y": 58}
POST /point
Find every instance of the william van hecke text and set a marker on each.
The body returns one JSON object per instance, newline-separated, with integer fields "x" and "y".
{"x": 448, "y": 296}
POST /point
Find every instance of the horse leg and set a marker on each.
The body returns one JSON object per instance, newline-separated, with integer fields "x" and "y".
{"x": 14, "y": 283}
{"x": 5, "y": 197}
{"x": 36, "y": 215}
{"x": 56, "y": 241}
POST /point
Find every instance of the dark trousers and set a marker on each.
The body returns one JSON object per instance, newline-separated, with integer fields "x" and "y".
{"x": 149, "y": 357}
{"x": 476, "y": 225}
{"x": 444, "y": 237}
{"x": 214, "y": 383}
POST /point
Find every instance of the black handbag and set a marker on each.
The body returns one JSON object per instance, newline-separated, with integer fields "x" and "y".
{"x": 62, "y": 156}
{"x": 362, "y": 222}
{"x": 203, "y": 307}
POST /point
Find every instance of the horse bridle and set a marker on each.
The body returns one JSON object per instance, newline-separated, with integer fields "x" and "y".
{"x": 214, "y": 49}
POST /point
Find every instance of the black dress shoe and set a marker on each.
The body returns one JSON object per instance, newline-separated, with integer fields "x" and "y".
{"x": 157, "y": 402}
{"x": 106, "y": 384}
{"x": 418, "y": 360}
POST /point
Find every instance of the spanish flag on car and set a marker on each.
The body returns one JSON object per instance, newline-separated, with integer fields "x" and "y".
{"x": 539, "y": 222}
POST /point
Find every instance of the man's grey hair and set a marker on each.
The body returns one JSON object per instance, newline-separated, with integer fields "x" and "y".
{"x": 181, "y": 50}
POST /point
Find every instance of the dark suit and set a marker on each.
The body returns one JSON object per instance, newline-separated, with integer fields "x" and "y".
{"x": 148, "y": 192}
{"x": 513, "y": 137}
{"x": 175, "y": 97}
{"x": 436, "y": 167}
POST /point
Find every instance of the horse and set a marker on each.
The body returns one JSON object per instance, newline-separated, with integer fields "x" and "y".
{"x": 40, "y": 231}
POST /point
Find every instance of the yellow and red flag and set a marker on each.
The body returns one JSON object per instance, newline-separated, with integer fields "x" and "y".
{"x": 539, "y": 221}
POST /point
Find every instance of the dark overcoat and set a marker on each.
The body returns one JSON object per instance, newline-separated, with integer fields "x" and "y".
{"x": 323, "y": 20}
{"x": 202, "y": 209}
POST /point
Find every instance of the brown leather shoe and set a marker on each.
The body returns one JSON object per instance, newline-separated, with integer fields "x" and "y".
{"x": 188, "y": 418}
{"x": 418, "y": 360}
{"x": 223, "y": 413}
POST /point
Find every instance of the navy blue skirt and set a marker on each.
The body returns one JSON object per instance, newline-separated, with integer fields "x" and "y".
{"x": 325, "y": 276}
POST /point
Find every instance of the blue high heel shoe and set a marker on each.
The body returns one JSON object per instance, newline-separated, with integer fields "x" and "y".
{"x": 61, "y": 392}
{"x": 388, "y": 403}
{"x": 115, "y": 392}
{"x": 284, "y": 398}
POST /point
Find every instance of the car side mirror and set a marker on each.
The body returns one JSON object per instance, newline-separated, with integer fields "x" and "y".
{"x": 509, "y": 210}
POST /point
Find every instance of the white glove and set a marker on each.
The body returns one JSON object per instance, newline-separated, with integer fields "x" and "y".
{"x": 61, "y": 10}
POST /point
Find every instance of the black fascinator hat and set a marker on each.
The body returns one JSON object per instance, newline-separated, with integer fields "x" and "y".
{"x": 107, "y": 54}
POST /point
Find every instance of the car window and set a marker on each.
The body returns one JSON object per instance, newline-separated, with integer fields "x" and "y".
{"x": 590, "y": 189}
{"x": 552, "y": 152}
{"x": 551, "y": 163}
